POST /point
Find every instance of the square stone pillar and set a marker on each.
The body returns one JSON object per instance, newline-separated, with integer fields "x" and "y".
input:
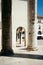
{"x": 6, "y": 27}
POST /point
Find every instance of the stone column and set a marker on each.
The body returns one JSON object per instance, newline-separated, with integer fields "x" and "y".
{"x": 6, "y": 28}
{"x": 32, "y": 25}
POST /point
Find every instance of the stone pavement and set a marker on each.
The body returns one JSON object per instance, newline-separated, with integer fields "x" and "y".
{"x": 19, "y": 61}
{"x": 23, "y": 57}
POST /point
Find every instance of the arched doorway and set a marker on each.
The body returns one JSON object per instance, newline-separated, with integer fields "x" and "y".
{"x": 20, "y": 37}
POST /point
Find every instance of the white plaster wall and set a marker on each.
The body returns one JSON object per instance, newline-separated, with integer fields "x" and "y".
{"x": 19, "y": 17}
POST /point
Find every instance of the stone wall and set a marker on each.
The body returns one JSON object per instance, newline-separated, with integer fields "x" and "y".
{"x": 19, "y": 17}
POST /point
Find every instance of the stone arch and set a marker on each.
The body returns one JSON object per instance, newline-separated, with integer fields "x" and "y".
{"x": 20, "y": 36}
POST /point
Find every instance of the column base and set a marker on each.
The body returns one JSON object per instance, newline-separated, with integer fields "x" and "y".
{"x": 7, "y": 52}
{"x": 30, "y": 48}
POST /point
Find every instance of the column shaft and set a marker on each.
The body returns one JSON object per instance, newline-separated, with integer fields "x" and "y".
{"x": 32, "y": 26}
{"x": 6, "y": 28}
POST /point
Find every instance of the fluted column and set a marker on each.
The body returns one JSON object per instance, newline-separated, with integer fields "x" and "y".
{"x": 32, "y": 25}
{"x": 6, "y": 28}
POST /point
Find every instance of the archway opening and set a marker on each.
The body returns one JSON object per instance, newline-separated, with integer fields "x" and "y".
{"x": 20, "y": 37}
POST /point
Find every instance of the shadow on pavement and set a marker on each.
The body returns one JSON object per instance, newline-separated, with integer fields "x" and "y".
{"x": 30, "y": 56}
